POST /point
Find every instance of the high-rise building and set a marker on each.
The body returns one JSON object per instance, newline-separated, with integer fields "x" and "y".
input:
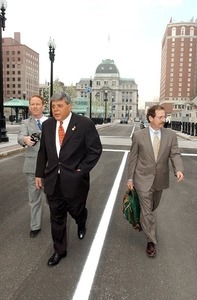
{"x": 178, "y": 83}
{"x": 20, "y": 69}
{"x": 109, "y": 90}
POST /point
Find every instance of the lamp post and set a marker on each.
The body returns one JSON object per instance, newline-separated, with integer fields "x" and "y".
{"x": 105, "y": 100}
{"x": 90, "y": 98}
{"x": 3, "y": 136}
{"x": 52, "y": 46}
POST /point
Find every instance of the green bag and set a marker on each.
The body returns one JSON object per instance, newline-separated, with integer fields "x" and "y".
{"x": 131, "y": 208}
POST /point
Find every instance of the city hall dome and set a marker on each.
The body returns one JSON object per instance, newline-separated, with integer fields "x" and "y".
{"x": 107, "y": 67}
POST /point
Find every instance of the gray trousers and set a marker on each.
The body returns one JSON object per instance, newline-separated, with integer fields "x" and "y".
{"x": 149, "y": 201}
{"x": 35, "y": 202}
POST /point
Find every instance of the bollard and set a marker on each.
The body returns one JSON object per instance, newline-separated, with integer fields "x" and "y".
{"x": 192, "y": 129}
{"x": 188, "y": 128}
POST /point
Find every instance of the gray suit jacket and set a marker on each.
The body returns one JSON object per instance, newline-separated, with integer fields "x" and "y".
{"x": 142, "y": 167}
{"x": 28, "y": 127}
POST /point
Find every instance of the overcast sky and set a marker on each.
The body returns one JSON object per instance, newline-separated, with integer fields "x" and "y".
{"x": 86, "y": 32}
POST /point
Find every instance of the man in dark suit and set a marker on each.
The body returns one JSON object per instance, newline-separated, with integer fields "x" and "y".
{"x": 70, "y": 147}
{"x": 148, "y": 169}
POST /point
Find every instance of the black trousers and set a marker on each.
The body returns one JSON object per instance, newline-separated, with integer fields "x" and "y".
{"x": 59, "y": 207}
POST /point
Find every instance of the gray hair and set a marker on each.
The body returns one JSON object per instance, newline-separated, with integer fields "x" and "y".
{"x": 61, "y": 96}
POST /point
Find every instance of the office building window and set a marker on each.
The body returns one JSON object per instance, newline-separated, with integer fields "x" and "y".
{"x": 192, "y": 31}
{"x": 173, "y": 31}
{"x": 182, "y": 30}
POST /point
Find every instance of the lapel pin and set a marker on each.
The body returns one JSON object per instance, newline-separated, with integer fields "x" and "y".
{"x": 74, "y": 127}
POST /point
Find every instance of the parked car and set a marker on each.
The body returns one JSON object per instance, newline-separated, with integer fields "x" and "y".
{"x": 144, "y": 124}
{"x": 136, "y": 119}
{"x": 124, "y": 120}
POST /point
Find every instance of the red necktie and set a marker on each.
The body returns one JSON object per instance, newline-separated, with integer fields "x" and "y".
{"x": 61, "y": 133}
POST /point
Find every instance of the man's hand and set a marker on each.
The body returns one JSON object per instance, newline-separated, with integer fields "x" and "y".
{"x": 130, "y": 185}
{"x": 180, "y": 176}
{"x": 39, "y": 183}
{"x": 27, "y": 141}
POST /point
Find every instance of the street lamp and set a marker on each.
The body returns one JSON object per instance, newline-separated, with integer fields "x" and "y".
{"x": 3, "y": 136}
{"x": 105, "y": 100}
{"x": 90, "y": 98}
{"x": 52, "y": 46}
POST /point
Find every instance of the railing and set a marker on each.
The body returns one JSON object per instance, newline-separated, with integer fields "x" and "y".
{"x": 185, "y": 127}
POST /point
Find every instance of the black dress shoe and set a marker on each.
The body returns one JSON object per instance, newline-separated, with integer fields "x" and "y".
{"x": 150, "y": 250}
{"x": 55, "y": 258}
{"x": 81, "y": 233}
{"x": 34, "y": 233}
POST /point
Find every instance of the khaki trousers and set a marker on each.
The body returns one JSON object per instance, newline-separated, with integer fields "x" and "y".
{"x": 149, "y": 201}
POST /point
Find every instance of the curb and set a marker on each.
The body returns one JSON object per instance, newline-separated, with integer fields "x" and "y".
{"x": 8, "y": 153}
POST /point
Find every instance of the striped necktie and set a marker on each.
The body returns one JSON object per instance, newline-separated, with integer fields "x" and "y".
{"x": 39, "y": 124}
{"x": 156, "y": 144}
{"x": 61, "y": 133}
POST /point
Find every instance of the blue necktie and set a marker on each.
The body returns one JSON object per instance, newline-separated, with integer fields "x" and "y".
{"x": 39, "y": 124}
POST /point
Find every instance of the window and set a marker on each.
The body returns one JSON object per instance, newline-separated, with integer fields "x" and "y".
{"x": 192, "y": 31}
{"x": 182, "y": 30}
{"x": 173, "y": 31}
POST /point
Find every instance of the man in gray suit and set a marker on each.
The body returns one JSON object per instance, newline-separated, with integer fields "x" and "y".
{"x": 29, "y": 137}
{"x": 148, "y": 168}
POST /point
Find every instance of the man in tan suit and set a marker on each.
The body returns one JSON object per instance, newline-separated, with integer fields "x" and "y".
{"x": 148, "y": 169}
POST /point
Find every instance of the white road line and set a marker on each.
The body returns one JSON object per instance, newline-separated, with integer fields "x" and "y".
{"x": 132, "y": 131}
{"x": 188, "y": 154}
{"x": 85, "y": 283}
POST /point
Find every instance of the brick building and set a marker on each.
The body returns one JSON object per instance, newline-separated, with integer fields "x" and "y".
{"x": 20, "y": 69}
{"x": 178, "y": 83}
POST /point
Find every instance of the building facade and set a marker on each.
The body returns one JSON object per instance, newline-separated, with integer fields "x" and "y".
{"x": 20, "y": 69}
{"x": 111, "y": 96}
{"x": 178, "y": 81}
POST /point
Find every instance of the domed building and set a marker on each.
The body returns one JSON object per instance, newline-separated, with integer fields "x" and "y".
{"x": 111, "y": 96}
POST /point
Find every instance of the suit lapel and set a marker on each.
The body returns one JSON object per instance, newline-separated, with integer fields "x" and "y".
{"x": 52, "y": 134}
{"x": 72, "y": 127}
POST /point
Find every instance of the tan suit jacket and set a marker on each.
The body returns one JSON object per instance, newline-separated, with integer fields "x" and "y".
{"x": 142, "y": 167}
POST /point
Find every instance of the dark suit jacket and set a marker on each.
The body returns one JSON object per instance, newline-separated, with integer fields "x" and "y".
{"x": 81, "y": 149}
{"x": 142, "y": 167}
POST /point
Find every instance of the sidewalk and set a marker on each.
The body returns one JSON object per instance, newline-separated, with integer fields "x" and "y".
{"x": 12, "y": 147}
